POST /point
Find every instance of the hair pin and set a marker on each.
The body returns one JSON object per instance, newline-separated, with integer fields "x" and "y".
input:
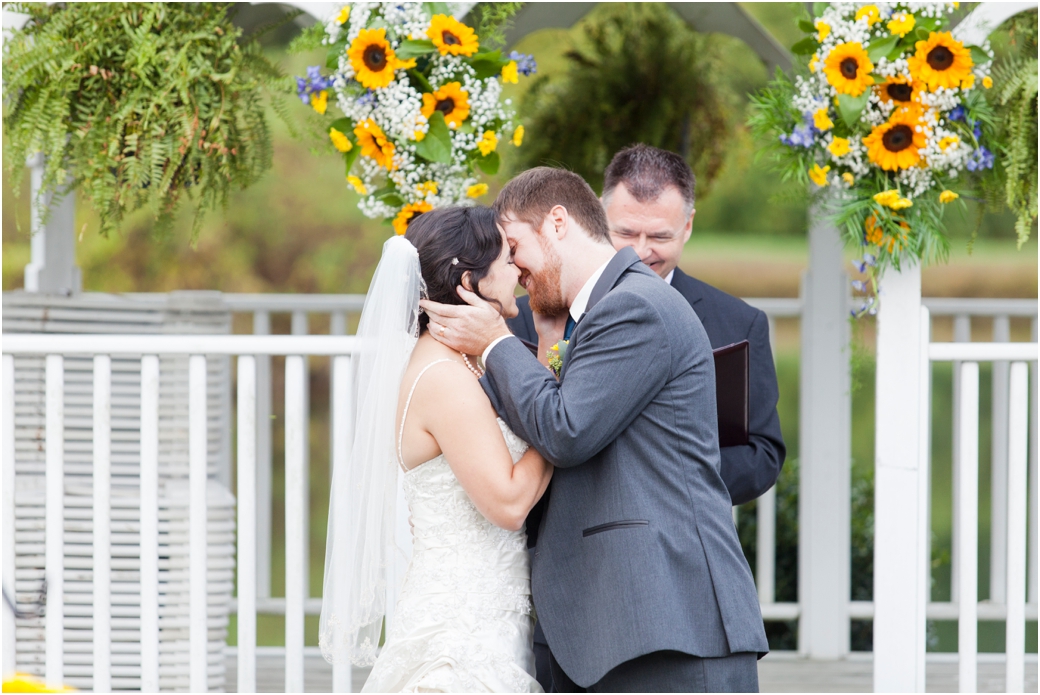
{"x": 455, "y": 261}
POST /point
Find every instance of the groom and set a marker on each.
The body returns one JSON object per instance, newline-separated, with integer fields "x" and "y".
{"x": 639, "y": 580}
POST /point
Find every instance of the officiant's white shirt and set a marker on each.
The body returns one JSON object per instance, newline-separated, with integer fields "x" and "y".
{"x": 581, "y": 300}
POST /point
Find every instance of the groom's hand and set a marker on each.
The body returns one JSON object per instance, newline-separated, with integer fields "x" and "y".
{"x": 468, "y": 328}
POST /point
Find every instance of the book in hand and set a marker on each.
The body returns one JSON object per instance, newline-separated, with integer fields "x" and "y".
{"x": 731, "y": 393}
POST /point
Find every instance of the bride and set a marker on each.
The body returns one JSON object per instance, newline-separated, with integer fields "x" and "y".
{"x": 463, "y": 622}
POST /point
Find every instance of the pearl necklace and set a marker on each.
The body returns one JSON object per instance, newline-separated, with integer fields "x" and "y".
{"x": 477, "y": 371}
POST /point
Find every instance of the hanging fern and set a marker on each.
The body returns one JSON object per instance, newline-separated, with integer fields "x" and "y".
{"x": 137, "y": 105}
{"x": 1016, "y": 82}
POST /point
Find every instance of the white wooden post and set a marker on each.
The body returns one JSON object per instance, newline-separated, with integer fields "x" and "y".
{"x": 824, "y": 484}
{"x": 102, "y": 531}
{"x": 295, "y": 531}
{"x": 52, "y": 268}
{"x": 198, "y": 637}
{"x": 900, "y": 485}
{"x": 300, "y": 327}
{"x": 1018, "y": 453}
{"x": 246, "y": 469}
{"x": 342, "y": 425}
{"x": 999, "y": 468}
{"x": 262, "y": 326}
{"x": 967, "y": 507}
{"x": 149, "y": 542}
{"x": 54, "y": 523}
{"x": 961, "y": 334}
{"x": 1033, "y": 425}
{"x": 8, "y": 511}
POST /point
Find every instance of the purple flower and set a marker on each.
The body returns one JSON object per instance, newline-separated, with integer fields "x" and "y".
{"x": 367, "y": 99}
{"x": 318, "y": 83}
{"x": 301, "y": 90}
{"x": 869, "y": 259}
{"x": 977, "y": 130}
{"x": 957, "y": 114}
{"x": 980, "y": 159}
{"x": 858, "y": 285}
{"x": 860, "y": 267}
{"x": 801, "y": 136}
{"x": 525, "y": 63}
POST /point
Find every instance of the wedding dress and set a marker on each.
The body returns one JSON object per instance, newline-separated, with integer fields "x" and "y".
{"x": 463, "y": 622}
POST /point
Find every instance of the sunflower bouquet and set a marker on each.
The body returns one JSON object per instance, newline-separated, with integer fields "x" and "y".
{"x": 888, "y": 121}
{"x": 422, "y": 106}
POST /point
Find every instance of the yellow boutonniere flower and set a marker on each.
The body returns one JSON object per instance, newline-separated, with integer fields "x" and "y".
{"x": 871, "y": 12}
{"x": 487, "y": 143}
{"x": 818, "y": 175}
{"x": 510, "y": 75}
{"x": 823, "y": 30}
{"x": 902, "y": 23}
{"x": 822, "y": 120}
{"x": 838, "y": 147}
{"x": 320, "y": 101}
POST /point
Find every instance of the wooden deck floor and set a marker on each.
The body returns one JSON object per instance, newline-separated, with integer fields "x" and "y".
{"x": 778, "y": 673}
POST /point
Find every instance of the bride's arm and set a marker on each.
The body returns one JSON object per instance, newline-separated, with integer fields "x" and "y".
{"x": 457, "y": 413}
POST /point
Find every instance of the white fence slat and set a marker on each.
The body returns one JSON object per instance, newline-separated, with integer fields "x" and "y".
{"x": 149, "y": 541}
{"x": 102, "y": 524}
{"x": 1033, "y": 424}
{"x": 765, "y": 546}
{"x": 300, "y": 326}
{"x": 295, "y": 531}
{"x": 246, "y": 469}
{"x": 967, "y": 508}
{"x": 8, "y": 511}
{"x": 197, "y": 551}
{"x": 1018, "y": 452}
{"x": 961, "y": 334}
{"x": 342, "y": 426}
{"x": 998, "y": 468}
{"x": 262, "y": 326}
{"x": 54, "y": 519}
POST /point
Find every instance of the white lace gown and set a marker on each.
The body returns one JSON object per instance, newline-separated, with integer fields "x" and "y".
{"x": 464, "y": 621}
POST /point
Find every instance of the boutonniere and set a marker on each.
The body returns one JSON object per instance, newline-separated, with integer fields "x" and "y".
{"x": 556, "y": 355}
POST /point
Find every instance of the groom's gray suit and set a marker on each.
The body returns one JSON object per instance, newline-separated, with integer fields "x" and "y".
{"x": 637, "y": 553}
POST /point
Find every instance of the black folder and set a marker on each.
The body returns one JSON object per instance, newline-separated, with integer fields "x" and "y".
{"x": 731, "y": 393}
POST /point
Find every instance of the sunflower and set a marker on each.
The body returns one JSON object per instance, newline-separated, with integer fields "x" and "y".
{"x": 408, "y": 213}
{"x": 900, "y": 90}
{"x": 896, "y": 143}
{"x": 373, "y": 60}
{"x": 941, "y": 61}
{"x": 374, "y": 144}
{"x": 848, "y": 69}
{"x": 452, "y": 36}
{"x": 451, "y": 100}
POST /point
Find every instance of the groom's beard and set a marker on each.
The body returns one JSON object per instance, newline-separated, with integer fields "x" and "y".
{"x": 544, "y": 286}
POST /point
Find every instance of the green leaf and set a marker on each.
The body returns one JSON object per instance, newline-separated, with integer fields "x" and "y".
{"x": 350, "y": 157}
{"x": 335, "y": 51}
{"x": 806, "y": 26}
{"x": 851, "y": 107}
{"x": 489, "y": 164}
{"x": 345, "y": 126}
{"x": 805, "y": 47}
{"x": 488, "y": 64}
{"x": 423, "y": 84}
{"x": 388, "y": 194}
{"x": 436, "y": 146}
{"x": 978, "y": 55}
{"x": 880, "y": 48}
{"x": 927, "y": 23}
{"x": 437, "y": 8}
{"x": 818, "y": 8}
{"x": 393, "y": 200}
{"x": 921, "y": 33}
{"x": 410, "y": 48}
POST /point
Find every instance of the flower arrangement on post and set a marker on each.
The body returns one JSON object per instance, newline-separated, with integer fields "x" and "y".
{"x": 422, "y": 106}
{"x": 889, "y": 121}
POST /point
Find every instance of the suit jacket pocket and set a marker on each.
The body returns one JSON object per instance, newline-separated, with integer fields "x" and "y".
{"x": 630, "y": 523}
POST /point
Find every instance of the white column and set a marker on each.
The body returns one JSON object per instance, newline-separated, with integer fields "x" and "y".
{"x": 198, "y": 637}
{"x": 246, "y": 468}
{"x": 102, "y": 521}
{"x": 961, "y": 334}
{"x": 300, "y": 327}
{"x": 1018, "y": 454}
{"x": 342, "y": 426}
{"x": 824, "y": 487}
{"x": 900, "y": 486}
{"x": 967, "y": 507}
{"x": 8, "y": 511}
{"x": 52, "y": 269}
{"x": 149, "y": 548}
{"x": 54, "y": 523}
{"x": 262, "y": 326}
{"x": 295, "y": 530}
{"x": 999, "y": 469}
{"x": 1033, "y": 424}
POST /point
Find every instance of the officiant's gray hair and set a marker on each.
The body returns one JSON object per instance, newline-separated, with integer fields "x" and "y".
{"x": 646, "y": 172}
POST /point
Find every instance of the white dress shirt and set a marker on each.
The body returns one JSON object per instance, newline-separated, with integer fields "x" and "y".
{"x": 577, "y": 308}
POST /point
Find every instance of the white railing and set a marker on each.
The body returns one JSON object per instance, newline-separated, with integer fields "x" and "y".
{"x": 1013, "y": 606}
{"x": 247, "y": 349}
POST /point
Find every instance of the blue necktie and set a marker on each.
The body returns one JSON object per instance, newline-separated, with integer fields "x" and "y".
{"x": 569, "y": 328}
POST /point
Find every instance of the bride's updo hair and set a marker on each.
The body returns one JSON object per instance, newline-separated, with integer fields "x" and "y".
{"x": 469, "y": 234}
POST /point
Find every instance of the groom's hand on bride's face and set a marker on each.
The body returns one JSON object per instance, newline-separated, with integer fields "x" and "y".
{"x": 469, "y": 327}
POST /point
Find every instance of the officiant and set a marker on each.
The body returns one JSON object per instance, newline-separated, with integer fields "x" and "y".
{"x": 648, "y": 195}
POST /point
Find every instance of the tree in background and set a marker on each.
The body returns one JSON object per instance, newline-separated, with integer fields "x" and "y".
{"x": 638, "y": 73}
